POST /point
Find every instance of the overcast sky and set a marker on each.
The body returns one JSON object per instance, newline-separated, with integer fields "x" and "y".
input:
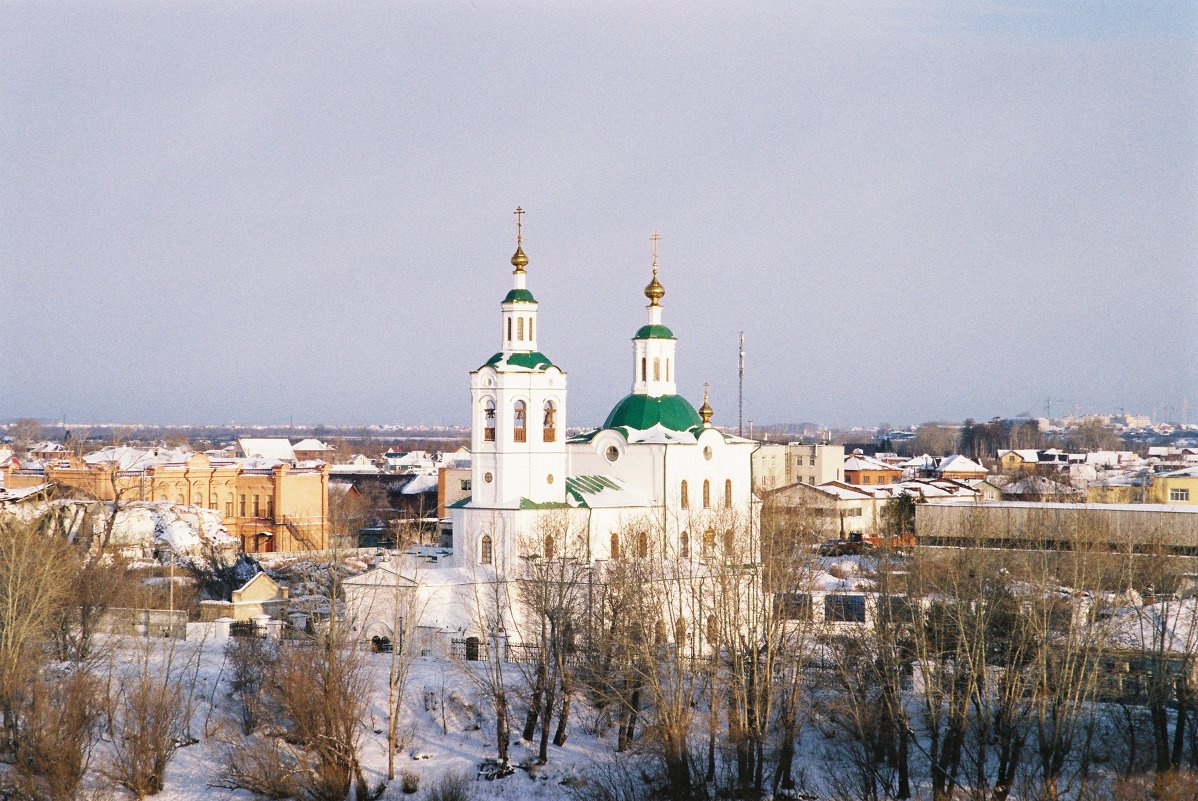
{"x": 252, "y": 212}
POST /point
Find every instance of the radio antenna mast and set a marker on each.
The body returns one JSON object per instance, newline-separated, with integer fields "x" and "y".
{"x": 740, "y": 390}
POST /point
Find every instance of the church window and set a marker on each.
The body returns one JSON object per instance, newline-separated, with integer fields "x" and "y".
{"x": 489, "y": 420}
{"x": 485, "y": 551}
{"x": 684, "y": 545}
{"x": 642, "y": 544}
{"x": 644, "y": 369}
{"x": 509, "y": 329}
{"x": 706, "y": 494}
{"x": 530, "y": 336}
{"x": 729, "y": 541}
{"x": 615, "y": 545}
{"x": 520, "y": 328}
{"x": 520, "y": 432}
{"x": 707, "y": 454}
{"x": 686, "y": 501}
{"x": 728, "y": 493}
{"x": 680, "y": 632}
{"x": 550, "y": 432}
{"x": 548, "y": 546}
{"x": 708, "y": 542}
{"x": 668, "y": 371}
{"x": 713, "y": 630}
{"x": 657, "y": 369}
{"x": 612, "y": 453}
{"x": 488, "y": 477}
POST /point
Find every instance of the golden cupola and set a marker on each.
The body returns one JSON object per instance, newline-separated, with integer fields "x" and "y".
{"x": 705, "y": 411}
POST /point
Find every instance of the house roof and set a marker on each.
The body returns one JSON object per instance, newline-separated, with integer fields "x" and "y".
{"x": 868, "y": 463}
{"x": 267, "y": 448}
{"x": 1026, "y": 454}
{"x": 960, "y": 464}
{"x": 310, "y": 444}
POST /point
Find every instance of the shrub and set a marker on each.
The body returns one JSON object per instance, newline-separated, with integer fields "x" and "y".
{"x": 452, "y": 786}
{"x": 409, "y": 781}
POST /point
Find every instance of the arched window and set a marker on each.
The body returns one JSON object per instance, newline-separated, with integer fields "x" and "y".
{"x": 509, "y": 329}
{"x": 684, "y": 545}
{"x": 520, "y": 421}
{"x": 706, "y": 494}
{"x": 548, "y": 546}
{"x": 549, "y": 434}
{"x": 657, "y": 369}
{"x": 729, "y": 541}
{"x": 489, "y": 420}
{"x": 686, "y": 501}
{"x": 708, "y": 542}
{"x": 728, "y": 493}
{"x": 615, "y": 545}
{"x": 484, "y": 551}
{"x": 644, "y": 369}
{"x": 228, "y": 504}
{"x": 642, "y": 544}
{"x": 520, "y": 328}
{"x": 713, "y": 630}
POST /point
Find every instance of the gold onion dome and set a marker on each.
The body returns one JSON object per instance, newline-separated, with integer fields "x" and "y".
{"x": 519, "y": 260}
{"x": 655, "y": 291}
{"x": 705, "y": 411}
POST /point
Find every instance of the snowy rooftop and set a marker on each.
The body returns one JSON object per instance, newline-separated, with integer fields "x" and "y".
{"x": 267, "y": 448}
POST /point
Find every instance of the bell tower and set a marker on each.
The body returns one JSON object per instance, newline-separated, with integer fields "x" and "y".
{"x": 654, "y": 345}
{"x": 518, "y": 430}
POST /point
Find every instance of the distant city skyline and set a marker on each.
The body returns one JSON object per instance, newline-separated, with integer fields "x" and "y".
{"x": 914, "y": 212}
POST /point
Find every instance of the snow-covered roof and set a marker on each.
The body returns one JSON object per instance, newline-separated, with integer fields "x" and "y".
{"x": 1185, "y": 472}
{"x": 267, "y": 448}
{"x": 960, "y": 464}
{"x": 352, "y": 469}
{"x": 310, "y": 444}
{"x": 600, "y": 491}
{"x": 867, "y": 463}
{"x": 421, "y": 482}
{"x": 1026, "y": 454}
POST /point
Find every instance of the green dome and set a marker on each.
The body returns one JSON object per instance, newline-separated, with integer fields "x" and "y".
{"x": 654, "y": 332}
{"x": 642, "y": 412}
{"x": 529, "y": 360}
{"x": 519, "y": 296}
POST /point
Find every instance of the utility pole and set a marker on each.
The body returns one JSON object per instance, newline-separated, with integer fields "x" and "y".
{"x": 740, "y": 390}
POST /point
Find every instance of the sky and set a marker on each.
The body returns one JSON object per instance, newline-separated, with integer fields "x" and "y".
{"x": 256, "y": 212}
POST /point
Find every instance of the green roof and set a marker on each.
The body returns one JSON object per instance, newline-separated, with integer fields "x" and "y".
{"x": 526, "y": 503}
{"x": 529, "y": 360}
{"x": 642, "y": 412}
{"x": 653, "y": 332}
{"x": 461, "y": 504}
{"x": 578, "y": 486}
{"x": 519, "y": 296}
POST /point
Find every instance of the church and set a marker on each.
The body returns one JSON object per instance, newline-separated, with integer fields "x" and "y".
{"x": 657, "y": 478}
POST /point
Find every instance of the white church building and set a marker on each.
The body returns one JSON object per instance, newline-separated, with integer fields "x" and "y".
{"x": 656, "y": 479}
{"x": 656, "y": 467}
